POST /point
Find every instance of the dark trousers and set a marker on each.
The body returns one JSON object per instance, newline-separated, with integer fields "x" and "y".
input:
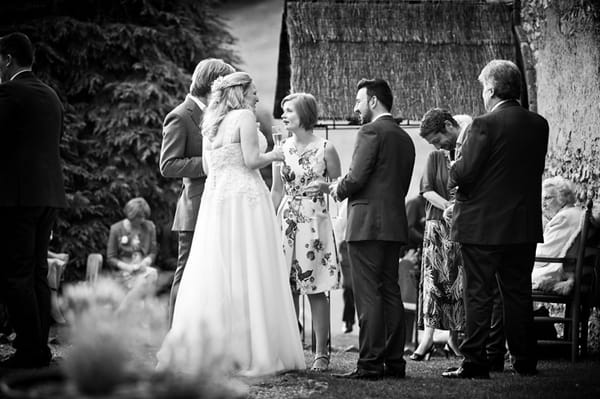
{"x": 513, "y": 265}
{"x": 185, "y": 243}
{"x": 378, "y": 301}
{"x": 496, "y": 346}
{"x": 348, "y": 295}
{"x": 23, "y": 276}
{"x": 349, "y": 309}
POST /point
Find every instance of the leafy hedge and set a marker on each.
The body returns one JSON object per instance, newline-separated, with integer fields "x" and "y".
{"x": 118, "y": 66}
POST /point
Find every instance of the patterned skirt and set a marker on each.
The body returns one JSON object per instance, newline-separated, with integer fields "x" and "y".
{"x": 441, "y": 282}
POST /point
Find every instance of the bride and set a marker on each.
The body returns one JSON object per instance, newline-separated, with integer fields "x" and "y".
{"x": 234, "y": 301}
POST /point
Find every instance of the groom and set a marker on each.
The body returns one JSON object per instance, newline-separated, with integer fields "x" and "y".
{"x": 181, "y": 157}
{"x": 376, "y": 187}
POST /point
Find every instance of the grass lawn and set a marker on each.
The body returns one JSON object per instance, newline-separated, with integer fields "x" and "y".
{"x": 557, "y": 379}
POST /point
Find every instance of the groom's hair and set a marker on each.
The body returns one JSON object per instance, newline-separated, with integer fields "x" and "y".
{"x": 19, "y": 47}
{"x": 380, "y": 89}
{"x": 206, "y": 72}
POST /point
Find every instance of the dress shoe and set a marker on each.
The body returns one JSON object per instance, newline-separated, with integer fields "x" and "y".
{"x": 417, "y": 357}
{"x": 361, "y": 374}
{"x": 463, "y": 373}
{"x": 391, "y": 372}
{"x": 347, "y": 328}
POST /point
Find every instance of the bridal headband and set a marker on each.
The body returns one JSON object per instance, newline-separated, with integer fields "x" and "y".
{"x": 224, "y": 82}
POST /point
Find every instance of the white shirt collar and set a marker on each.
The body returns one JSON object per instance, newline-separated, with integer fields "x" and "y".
{"x": 199, "y": 103}
{"x": 380, "y": 115}
{"x": 20, "y": 72}
{"x": 497, "y": 104}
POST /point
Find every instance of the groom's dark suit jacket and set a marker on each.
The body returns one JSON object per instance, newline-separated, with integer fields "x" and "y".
{"x": 180, "y": 156}
{"x": 499, "y": 177}
{"x": 377, "y": 182}
{"x": 31, "y": 116}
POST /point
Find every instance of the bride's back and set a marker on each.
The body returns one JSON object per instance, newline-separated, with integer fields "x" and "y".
{"x": 227, "y": 171}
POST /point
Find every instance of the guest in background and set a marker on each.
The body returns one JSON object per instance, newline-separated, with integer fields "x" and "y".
{"x": 181, "y": 157}
{"x": 31, "y": 119}
{"x": 564, "y": 222}
{"x": 339, "y": 229}
{"x": 497, "y": 219}
{"x": 131, "y": 250}
{"x": 299, "y": 195}
{"x": 415, "y": 215}
{"x": 440, "y": 294}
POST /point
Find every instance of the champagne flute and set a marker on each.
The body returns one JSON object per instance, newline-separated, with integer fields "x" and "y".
{"x": 277, "y": 132}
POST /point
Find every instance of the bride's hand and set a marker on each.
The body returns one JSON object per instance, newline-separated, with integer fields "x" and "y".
{"x": 277, "y": 154}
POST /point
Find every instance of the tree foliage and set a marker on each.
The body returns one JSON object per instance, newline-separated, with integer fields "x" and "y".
{"x": 119, "y": 66}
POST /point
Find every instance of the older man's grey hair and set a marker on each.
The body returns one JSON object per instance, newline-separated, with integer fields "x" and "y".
{"x": 205, "y": 74}
{"x": 564, "y": 189}
{"x": 504, "y": 77}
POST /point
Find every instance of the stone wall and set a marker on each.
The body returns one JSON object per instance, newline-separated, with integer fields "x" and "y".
{"x": 564, "y": 42}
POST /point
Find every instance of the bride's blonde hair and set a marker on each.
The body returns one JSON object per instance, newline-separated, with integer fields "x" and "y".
{"x": 228, "y": 93}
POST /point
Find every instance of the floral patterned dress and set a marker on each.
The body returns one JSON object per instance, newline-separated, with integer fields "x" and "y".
{"x": 308, "y": 241}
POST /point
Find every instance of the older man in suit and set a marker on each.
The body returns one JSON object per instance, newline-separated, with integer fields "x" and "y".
{"x": 376, "y": 188}
{"x": 31, "y": 122}
{"x": 498, "y": 219}
{"x": 181, "y": 157}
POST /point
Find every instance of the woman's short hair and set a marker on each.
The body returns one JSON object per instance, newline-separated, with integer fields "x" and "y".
{"x": 19, "y": 47}
{"x": 205, "y": 74}
{"x": 564, "y": 189}
{"x": 434, "y": 121}
{"x": 504, "y": 77}
{"x": 306, "y": 108}
{"x": 136, "y": 207}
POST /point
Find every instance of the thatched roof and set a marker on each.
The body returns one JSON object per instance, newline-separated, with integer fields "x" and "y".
{"x": 430, "y": 52}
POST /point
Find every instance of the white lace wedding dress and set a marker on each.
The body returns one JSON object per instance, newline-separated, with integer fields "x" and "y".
{"x": 234, "y": 304}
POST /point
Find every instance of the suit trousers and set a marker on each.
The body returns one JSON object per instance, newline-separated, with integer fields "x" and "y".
{"x": 185, "y": 243}
{"x": 509, "y": 267}
{"x": 496, "y": 346}
{"x": 24, "y": 277}
{"x": 374, "y": 266}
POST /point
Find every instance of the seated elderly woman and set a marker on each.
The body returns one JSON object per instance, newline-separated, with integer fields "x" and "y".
{"x": 132, "y": 249}
{"x": 563, "y": 222}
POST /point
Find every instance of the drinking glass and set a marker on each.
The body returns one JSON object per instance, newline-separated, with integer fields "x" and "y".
{"x": 278, "y": 132}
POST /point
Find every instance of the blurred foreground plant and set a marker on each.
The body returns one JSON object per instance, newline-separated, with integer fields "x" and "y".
{"x": 113, "y": 348}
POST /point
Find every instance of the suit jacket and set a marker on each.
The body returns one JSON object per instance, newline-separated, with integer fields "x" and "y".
{"x": 181, "y": 156}
{"x": 377, "y": 182}
{"x": 499, "y": 178}
{"x": 31, "y": 125}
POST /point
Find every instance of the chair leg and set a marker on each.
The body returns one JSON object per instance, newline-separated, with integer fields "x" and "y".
{"x": 93, "y": 267}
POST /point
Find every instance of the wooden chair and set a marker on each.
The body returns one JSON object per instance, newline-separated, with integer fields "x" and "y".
{"x": 582, "y": 259}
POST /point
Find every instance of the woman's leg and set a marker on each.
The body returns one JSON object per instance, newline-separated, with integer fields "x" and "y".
{"x": 426, "y": 342}
{"x": 319, "y": 307}
{"x": 55, "y": 268}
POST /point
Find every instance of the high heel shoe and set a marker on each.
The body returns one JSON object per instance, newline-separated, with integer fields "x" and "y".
{"x": 417, "y": 357}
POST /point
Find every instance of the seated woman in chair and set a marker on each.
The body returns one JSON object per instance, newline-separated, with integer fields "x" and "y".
{"x": 563, "y": 222}
{"x": 132, "y": 249}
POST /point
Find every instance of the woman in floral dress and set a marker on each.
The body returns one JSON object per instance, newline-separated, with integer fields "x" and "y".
{"x": 299, "y": 195}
